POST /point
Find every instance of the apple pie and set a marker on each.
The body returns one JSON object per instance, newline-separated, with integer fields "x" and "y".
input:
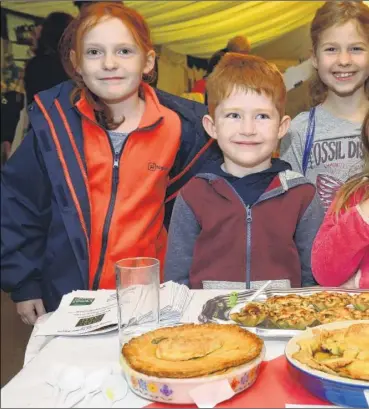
{"x": 191, "y": 350}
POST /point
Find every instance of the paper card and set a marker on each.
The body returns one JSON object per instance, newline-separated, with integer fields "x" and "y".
{"x": 210, "y": 394}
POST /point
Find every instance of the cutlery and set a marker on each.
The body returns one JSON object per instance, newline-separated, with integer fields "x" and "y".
{"x": 92, "y": 387}
{"x": 114, "y": 389}
{"x": 71, "y": 378}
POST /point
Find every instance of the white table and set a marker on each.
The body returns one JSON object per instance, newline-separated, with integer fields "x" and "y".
{"x": 28, "y": 388}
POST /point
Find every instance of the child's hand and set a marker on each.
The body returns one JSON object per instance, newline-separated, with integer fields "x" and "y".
{"x": 30, "y": 310}
{"x": 365, "y": 207}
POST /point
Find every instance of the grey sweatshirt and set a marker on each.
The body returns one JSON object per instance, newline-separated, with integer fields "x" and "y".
{"x": 336, "y": 154}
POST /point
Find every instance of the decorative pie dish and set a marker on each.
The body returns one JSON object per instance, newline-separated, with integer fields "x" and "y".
{"x": 165, "y": 365}
{"x": 332, "y": 362}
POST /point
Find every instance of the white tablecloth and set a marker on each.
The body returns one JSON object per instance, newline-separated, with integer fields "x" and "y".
{"x": 28, "y": 388}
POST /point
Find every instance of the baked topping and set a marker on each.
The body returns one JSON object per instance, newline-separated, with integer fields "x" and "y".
{"x": 289, "y": 300}
{"x": 334, "y": 314}
{"x": 251, "y": 314}
{"x": 324, "y": 300}
{"x": 293, "y": 317}
{"x": 183, "y": 348}
{"x": 361, "y": 301}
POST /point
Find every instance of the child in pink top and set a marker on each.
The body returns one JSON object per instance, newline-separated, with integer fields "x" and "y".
{"x": 340, "y": 254}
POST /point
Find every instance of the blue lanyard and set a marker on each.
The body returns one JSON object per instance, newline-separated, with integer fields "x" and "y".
{"x": 309, "y": 140}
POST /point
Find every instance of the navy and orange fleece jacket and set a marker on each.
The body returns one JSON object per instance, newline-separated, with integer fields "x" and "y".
{"x": 70, "y": 209}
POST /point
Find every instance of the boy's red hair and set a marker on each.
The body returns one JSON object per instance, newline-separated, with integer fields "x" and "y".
{"x": 247, "y": 73}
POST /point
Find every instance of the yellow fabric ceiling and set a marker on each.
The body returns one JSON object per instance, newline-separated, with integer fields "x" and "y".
{"x": 200, "y": 28}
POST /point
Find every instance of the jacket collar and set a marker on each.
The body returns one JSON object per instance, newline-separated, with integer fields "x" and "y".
{"x": 282, "y": 182}
{"x": 189, "y": 111}
{"x": 153, "y": 113}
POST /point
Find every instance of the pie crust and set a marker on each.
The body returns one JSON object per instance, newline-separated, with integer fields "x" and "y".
{"x": 191, "y": 350}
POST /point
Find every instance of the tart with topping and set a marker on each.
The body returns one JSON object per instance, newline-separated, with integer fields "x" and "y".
{"x": 334, "y": 314}
{"x": 251, "y": 314}
{"x": 360, "y": 315}
{"x": 290, "y": 300}
{"x": 325, "y": 299}
{"x": 293, "y": 317}
{"x": 361, "y": 301}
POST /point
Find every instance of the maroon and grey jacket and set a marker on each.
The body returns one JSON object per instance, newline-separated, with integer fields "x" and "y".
{"x": 216, "y": 241}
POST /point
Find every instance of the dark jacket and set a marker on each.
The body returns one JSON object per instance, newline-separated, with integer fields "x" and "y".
{"x": 41, "y": 73}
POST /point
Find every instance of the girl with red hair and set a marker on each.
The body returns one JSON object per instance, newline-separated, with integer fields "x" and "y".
{"x": 94, "y": 180}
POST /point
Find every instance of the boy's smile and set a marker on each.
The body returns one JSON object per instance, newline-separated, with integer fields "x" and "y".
{"x": 247, "y": 127}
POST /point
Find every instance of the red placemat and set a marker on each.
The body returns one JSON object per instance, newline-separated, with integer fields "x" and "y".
{"x": 273, "y": 388}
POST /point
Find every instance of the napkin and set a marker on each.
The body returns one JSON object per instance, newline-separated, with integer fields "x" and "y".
{"x": 210, "y": 394}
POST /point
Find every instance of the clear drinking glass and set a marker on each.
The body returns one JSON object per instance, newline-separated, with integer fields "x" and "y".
{"x": 138, "y": 284}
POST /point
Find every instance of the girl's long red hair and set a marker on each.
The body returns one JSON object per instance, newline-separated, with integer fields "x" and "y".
{"x": 72, "y": 40}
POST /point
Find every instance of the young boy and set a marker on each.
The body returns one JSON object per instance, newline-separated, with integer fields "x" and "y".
{"x": 249, "y": 218}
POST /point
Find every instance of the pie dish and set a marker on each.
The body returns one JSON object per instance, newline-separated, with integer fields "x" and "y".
{"x": 190, "y": 350}
{"x": 332, "y": 378}
{"x": 252, "y": 314}
{"x": 179, "y": 390}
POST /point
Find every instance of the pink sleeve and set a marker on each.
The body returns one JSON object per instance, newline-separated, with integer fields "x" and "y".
{"x": 339, "y": 247}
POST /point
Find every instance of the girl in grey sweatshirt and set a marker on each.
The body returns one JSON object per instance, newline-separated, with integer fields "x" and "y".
{"x": 324, "y": 144}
